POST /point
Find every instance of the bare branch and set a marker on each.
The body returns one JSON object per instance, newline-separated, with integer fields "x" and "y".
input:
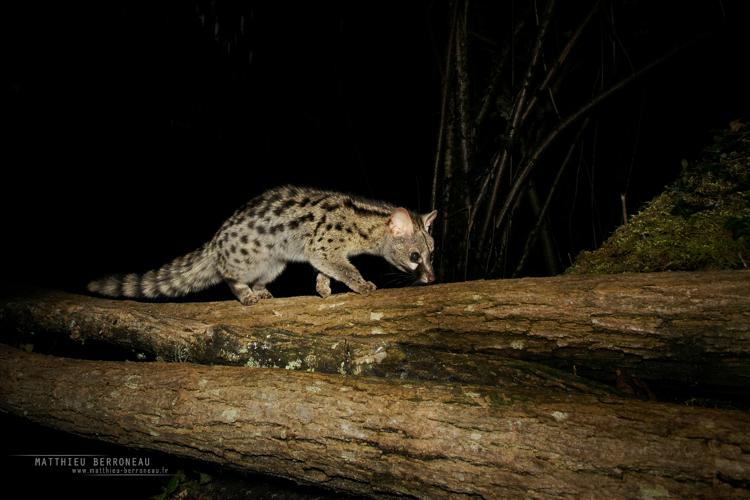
{"x": 513, "y": 124}
{"x": 497, "y": 72}
{"x": 531, "y": 239}
{"x": 443, "y": 108}
{"x": 560, "y": 61}
{"x": 565, "y": 123}
{"x": 462, "y": 79}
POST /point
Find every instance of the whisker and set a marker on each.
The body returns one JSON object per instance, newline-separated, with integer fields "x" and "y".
{"x": 398, "y": 279}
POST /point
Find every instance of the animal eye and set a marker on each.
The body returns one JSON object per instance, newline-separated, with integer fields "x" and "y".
{"x": 414, "y": 257}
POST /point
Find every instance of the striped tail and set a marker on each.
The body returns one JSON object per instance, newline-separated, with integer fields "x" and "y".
{"x": 189, "y": 273}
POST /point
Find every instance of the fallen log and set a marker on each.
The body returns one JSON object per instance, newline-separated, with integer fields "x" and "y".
{"x": 403, "y": 362}
{"x": 375, "y": 436}
{"x": 687, "y": 329}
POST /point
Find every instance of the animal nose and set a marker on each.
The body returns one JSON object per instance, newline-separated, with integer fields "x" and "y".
{"x": 429, "y": 277}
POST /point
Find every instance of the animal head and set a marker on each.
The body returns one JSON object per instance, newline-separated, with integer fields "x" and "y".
{"x": 409, "y": 245}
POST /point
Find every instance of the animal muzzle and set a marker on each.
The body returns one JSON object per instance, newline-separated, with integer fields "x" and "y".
{"x": 426, "y": 274}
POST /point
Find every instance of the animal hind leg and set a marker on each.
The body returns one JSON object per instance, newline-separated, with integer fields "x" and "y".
{"x": 248, "y": 280}
{"x": 270, "y": 273}
{"x": 246, "y": 295}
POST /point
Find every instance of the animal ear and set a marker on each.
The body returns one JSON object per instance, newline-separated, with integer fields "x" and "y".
{"x": 428, "y": 219}
{"x": 400, "y": 223}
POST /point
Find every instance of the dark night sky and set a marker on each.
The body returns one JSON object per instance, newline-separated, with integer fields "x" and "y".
{"x": 131, "y": 136}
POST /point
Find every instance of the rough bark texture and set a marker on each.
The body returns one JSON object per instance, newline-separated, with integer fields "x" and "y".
{"x": 376, "y": 436}
{"x": 680, "y": 328}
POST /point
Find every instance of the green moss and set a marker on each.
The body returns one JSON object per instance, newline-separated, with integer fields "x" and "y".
{"x": 700, "y": 222}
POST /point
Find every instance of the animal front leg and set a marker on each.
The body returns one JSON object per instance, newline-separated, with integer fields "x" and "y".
{"x": 323, "y": 285}
{"x": 341, "y": 270}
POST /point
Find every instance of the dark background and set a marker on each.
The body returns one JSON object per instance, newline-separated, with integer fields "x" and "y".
{"x": 131, "y": 133}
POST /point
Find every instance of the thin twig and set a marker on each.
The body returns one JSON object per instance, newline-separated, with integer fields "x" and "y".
{"x": 560, "y": 61}
{"x": 497, "y": 72}
{"x": 462, "y": 80}
{"x": 518, "y": 107}
{"x": 443, "y": 105}
{"x": 488, "y": 97}
{"x": 447, "y": 183}
{"x": 531, "y": 239}
{"x": 564, "y": 124}
{"x": 462, "y": 99}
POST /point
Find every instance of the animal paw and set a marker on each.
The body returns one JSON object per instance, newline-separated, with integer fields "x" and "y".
{"x": 249, "y": 299}
{"x": 323, "y": 285}
{"x": 365, "y": 287}
{"x": 254, "y": 296}
{"x": 262, "y": 293}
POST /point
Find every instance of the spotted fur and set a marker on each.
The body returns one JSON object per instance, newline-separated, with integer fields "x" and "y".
{"x": 290, "y": 224}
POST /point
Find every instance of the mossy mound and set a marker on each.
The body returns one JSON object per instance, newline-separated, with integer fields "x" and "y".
{"x": 700, "y": 222}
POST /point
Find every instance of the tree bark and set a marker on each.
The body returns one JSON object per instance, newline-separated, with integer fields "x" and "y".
{"x": 681, "y": 328}
{"x": 375, "y": 436}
